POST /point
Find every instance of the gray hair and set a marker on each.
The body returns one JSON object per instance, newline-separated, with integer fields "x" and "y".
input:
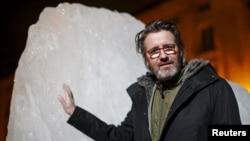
{"x": 156, "y": 26}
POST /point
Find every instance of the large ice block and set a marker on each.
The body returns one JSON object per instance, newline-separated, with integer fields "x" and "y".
{"x": 92, "y": 50}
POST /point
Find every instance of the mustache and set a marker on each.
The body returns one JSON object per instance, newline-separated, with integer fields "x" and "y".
{"x": 166, "y": 63}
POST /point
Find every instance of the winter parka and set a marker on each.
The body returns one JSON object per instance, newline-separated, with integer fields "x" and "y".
{"x": 204, "y": 99}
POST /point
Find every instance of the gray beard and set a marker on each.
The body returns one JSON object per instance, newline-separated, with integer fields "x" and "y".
{"x": 164, "y": 76}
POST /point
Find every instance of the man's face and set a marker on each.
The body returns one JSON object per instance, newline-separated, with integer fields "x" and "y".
{"x": 162, "y": 55}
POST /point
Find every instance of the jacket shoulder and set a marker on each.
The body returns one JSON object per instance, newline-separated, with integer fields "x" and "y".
{"x": 134, "y": 89}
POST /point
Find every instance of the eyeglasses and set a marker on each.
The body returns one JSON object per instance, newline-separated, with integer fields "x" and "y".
{"x": 168, "y": 49}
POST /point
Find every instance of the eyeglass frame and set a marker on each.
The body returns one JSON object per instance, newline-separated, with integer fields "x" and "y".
{"x": 168, "y": 49}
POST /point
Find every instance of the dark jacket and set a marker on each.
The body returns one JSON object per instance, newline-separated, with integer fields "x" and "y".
{"x": 204, "y": 99}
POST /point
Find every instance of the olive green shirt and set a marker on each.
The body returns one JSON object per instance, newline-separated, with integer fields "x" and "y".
{"x": 162, "y": 100}
{"x": 160, "y": 109}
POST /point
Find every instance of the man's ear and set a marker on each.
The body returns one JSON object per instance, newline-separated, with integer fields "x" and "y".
{"x": 147, "y": 64}
{"x": 183, "y": 56}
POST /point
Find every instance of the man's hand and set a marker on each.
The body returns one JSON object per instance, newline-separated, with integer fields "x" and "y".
{"x": 67, "y": 101}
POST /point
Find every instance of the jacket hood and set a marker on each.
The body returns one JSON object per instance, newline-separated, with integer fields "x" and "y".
{"x": 193, "y": 66}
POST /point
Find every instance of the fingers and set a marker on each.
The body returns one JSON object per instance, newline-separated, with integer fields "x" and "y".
{"x": 68, "y": 91}
{"x": 67, "y": 100}
{"x": 61, "y": 99}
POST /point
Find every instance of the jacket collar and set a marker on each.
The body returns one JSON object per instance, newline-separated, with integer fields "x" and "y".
{"x": 148, "y": 80}
{"x": 192, "y": 67}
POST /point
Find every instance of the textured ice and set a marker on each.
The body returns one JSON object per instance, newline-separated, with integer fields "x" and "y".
{"x": 92, "y": 50}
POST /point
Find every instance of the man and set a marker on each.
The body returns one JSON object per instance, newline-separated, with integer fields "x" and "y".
{"x": 175, "y": 101}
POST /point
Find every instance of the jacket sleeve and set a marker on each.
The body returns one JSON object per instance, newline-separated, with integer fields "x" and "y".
{"x": 97, "y": 129}
{"x": 226, "y": 110}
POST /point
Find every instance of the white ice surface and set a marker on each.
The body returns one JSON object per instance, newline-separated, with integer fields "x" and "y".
{"x": 92, "y": 50}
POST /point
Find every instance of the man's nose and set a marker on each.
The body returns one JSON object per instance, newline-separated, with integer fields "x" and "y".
{"x": 163, "y": 54}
